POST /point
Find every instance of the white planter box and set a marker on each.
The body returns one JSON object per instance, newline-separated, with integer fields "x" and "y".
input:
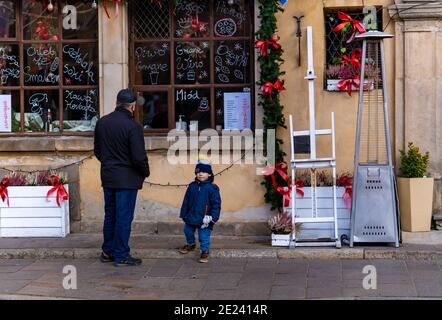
{"x": 325, "y": 209}
{"x": 332, "y": 85}
{"x": 30, "y": 214}
{"x": 280, "y": 240}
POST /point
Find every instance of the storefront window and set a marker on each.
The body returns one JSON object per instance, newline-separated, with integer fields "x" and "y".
{"x": 186, "y": 56}
{"x": 58, "y": 79}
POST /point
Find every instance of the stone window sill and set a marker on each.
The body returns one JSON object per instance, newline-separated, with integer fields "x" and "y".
{"x": 86, "y": 144}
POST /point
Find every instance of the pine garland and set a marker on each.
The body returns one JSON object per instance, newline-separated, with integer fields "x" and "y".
{"x": 271, "y": 72}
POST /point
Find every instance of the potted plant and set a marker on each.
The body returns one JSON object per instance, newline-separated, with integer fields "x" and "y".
{"x": 338, "y": 73}
{"x": 34, "y": 205}
{"x": 281, "y": 228}
{"x": 415, "y": 190}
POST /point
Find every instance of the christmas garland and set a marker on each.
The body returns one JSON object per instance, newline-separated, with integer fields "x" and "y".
{"x": 270, "y": 61}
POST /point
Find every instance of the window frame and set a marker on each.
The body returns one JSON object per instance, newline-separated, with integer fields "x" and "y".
{"x": 172, "y": 86}
{"x": 352, "y": 11}
{"x": 61, "y": 87}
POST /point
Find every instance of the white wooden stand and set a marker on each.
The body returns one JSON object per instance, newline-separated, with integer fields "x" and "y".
{"x": 312, "y": 164}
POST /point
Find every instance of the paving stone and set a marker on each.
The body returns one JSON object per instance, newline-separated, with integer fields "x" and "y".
{"x": 162, "y": 272}
{"x": 324, "y": 292}
{"x": 187, "y": 285}
{"x": 12, "y": 286}
{"x": 187, "y": 271}
{"x": 397, "y": 290}
{"x": 253, "y": 294}
{"x": 154, "y": 283}
{"x": 286, "y": 279}
{"x": 359, "y": 292}
{"x": 179, "y": 295}
{"x": 137, "y": 294}
{"x": 6, "y": 269}
{"x": 217, "y": 294}
{"x": 326, "y": 282}
{"x": 218, "y": 281}
{"x": 22, "y": 275}
{"x": 433, "y": 290}
{"x": 287, "y": 293}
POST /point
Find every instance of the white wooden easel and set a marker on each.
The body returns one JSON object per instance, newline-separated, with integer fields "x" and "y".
{"x": 312, "y": 164}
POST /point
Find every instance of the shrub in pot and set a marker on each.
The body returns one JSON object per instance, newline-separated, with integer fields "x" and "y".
{"x": 415, "y": 190}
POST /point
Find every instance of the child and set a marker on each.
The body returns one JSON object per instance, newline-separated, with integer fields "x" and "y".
{"x": 200, "y": 210}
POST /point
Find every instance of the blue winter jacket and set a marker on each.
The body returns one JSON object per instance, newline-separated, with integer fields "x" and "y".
{"x": 201, "y": 196}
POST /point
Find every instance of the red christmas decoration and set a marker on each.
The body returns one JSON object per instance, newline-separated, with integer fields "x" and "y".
{"x": 354, "y": 59}
{"x": 4, "y": 184}
{"x": 355, "y": 24}
{"x": 265, "y": 44}
{"x": 61, "y": 194}
{"x": 268, "y": 87}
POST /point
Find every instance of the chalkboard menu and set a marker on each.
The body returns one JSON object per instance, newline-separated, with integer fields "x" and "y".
{"x": 192, "y": 62}
{"x": 37, "y": 106}
{"x": 232, "y": 62}
{"x": 80, "y": 64}
{"x": 152, "y": 61}
{"x": 41, "y": 65}
{"x": 231, "y": 20}
{"x": 9, "y": 65}
{"x": 191, "y": 19}
{"x": 194, "y": 105}
{"x": 80, "y": 104}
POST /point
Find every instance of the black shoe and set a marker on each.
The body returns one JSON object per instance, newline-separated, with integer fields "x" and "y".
{"x": 128, "y": 262}
{"x": 106, "y": 258}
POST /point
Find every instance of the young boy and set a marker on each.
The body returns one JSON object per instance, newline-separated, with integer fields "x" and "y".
{"x": 200, "y": 210}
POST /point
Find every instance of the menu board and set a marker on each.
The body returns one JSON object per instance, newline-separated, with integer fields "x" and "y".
{"x": 194, "y": 105}
{"x": 80, "y": 104}
{"x": 232, "y": 62}
{"x": 152, "y": 62}
{"x": 191, "y": 19}
{"x": 237, "y": 111}
{"x": 9, "y": 65}
{"x": 192, "y": 62}
{"x": 41, "y": 65}
{"x": 5, "y": 113}
{"x": 80, "y": 63}
{"x": 231, "y": 20}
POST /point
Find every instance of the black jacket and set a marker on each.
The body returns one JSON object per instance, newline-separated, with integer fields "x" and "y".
{"x": 119, "y": 146}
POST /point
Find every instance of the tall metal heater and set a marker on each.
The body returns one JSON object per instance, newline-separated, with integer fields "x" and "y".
{"x": 374, "y": 215}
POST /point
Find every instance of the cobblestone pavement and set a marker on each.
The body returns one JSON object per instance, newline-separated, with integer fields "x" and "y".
{"x": 222, "y": 279}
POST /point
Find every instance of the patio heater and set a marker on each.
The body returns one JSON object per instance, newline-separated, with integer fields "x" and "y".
{"x": 374, "y": 216}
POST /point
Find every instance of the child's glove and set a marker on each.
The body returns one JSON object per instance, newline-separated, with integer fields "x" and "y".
{"x": 206, "y": 221}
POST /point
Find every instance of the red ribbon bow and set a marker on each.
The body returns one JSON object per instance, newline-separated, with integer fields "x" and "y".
{"x": 4, "y": 190}
{"x": 268, "y": 87}
{"x": 62, "y": 195}
{"x": 281, "y": 169}
{"x": 354, "y": 59}
{"x": 347, "y": 84}
{"x": 346, "y": 19}
{"x": 348, "y": 193}
{"x": 117, "y": 3}
{"x": 265, "y": 44}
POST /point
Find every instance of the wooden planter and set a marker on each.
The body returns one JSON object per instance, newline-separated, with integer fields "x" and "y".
{"x": 332, "y": 85}
{"x": 30, "y": 214}
{"x": 280, "y": 240}
{"x": 415, "y": 203}
{"x": 325, "y": 209}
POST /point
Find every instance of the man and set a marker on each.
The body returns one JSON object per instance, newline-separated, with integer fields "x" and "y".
{"x": 119, "y": 146}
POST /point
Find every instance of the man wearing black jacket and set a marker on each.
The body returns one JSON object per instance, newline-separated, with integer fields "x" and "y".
{"x": 119, "y": 146}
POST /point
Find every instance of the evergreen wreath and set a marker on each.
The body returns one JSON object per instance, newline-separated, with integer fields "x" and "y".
{"x": 270, "y": 68}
